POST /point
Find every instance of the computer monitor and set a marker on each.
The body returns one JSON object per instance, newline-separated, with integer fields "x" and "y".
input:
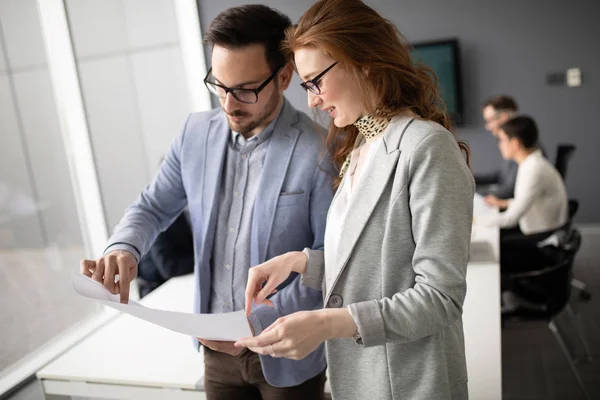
{"x": 443, "y": 57}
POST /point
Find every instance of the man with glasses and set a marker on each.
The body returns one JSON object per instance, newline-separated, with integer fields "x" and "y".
{"x": 496, "y": 111}
{"x": 254, "y": 177}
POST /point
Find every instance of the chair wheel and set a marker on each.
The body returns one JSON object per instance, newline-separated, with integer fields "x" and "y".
{"x": 585, "y": 295}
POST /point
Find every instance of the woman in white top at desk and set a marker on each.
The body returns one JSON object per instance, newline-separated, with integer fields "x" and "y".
{"x": 540, "y": 204}
{"x": 398, "y": 229}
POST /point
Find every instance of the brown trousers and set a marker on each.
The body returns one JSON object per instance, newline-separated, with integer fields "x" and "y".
{"x": 229, "y": 377}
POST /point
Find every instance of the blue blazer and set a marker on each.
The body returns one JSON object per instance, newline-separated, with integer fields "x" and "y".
{"x": 191, "y": 174}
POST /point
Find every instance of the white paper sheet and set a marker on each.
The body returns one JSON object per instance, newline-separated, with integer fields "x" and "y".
{"x": 480, "y": 208}
{"x": 227, "y": 326}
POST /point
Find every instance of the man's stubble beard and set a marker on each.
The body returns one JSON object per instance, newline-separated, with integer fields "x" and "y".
{"x": 267, "y": 111}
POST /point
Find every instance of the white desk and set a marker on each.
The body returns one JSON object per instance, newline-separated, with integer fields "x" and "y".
{"x": 129, "y": 358}
{"x": 481, "y": 312}
{"x": 133, "y": 359}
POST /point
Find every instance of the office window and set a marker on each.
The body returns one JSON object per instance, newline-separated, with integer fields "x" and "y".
{"x": 40, "y": 235}
{"x": 134, "y": 96}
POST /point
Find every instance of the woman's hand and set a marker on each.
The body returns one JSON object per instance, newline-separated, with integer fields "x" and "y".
{"x": 299, "y": 334}
{"x": 272, "y": 273}
{"x": 294, "y": 336}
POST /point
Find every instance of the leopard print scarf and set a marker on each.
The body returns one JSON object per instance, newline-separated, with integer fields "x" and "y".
{"x": 369, "y": 127}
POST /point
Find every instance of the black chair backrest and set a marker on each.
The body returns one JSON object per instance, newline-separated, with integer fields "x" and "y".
{"x": 563, "y": 155}
{"x": 573, "y": 207}
{"x": 551, "y": 286}
{"x": 572, "y": 245}
{"x": 557, "y": 281}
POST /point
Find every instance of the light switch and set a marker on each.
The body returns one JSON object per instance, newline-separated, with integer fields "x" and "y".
{"x": 556, "y": 78}
{"x": 573, "y": 77}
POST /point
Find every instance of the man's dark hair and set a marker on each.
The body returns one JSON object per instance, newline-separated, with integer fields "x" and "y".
{"x": 249, "y": 24}
{"x": 501, "y": 103}
{"x": 522, "y": 128}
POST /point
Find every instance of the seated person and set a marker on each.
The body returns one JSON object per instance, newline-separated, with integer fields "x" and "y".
{"x": 496, "y": 111}
{"x": 172, "y": 254}
{"x": 539, "y": 205}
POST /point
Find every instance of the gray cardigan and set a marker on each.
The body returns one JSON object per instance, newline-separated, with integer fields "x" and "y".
{"x": 401, "y": 267}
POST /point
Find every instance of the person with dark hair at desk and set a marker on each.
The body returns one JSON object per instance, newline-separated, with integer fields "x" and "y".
{"x": 539, "y": 205}
{"x": 172, "y": 254}
{"x": 496, "y": 111}
{"x": 257, "y": 181}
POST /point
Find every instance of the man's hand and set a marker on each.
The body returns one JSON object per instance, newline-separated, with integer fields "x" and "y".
{"x": 105, "y": 269}
{"x": 223, "y": 347}
{"x": 490, "y": 200}
{"x": 495, "y": 202}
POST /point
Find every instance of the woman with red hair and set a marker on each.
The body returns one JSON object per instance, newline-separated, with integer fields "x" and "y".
{"x": 398, "y": 230}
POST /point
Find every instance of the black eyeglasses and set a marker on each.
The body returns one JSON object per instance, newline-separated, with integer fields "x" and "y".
{"x": 313, "y": 84}
{"x": 248, "y": 96}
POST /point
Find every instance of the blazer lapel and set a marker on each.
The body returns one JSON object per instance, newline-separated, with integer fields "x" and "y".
{"x": 279, "y": 154}
{"x": 366, "y": 194}
{"x": 212, "y": 170}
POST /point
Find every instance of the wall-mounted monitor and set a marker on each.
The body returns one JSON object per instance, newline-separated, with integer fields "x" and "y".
{"x": 443, "y": 57}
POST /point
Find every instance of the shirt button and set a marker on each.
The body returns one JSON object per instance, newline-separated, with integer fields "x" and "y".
{"x": 228, "y": 266}
{"x": 231, "y": 230}
{"x": 237, "y": 194}
{"x": 244, "y": 156}
{"x": 227, "y": 303}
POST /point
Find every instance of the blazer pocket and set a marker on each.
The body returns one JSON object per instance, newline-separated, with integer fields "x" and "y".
{"x": 291, "y": 193}
{"x": 290, "y": 198}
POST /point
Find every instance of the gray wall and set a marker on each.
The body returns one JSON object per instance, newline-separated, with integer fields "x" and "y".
{"x": 507, "y": 47}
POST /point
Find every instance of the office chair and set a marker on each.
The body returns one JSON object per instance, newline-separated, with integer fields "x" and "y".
{"x": 564, "y": 152}
{"x": 584, "y": 294}
{"x": 547, "y": 292}
{"x": 573, "y": 208}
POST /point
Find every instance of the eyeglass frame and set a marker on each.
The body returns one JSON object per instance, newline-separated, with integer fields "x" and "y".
{"x": 232, "y": 90}
{"x": 496, "y": 115}
{"x": 313, "y": 81}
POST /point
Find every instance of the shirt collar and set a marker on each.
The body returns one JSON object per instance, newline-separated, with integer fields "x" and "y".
{"x": 533, "y": 155}
{"x": 265, "y": 134}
